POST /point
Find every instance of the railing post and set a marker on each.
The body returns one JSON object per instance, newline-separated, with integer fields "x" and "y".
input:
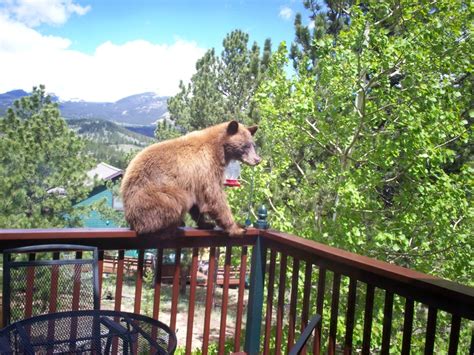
{"x": 255, "y": 300}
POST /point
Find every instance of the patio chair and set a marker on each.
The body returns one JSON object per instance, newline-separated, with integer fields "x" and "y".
{"x": 49, "y": 278}
{"x": 298, "y": 347}
{"x": 301, "y": 342}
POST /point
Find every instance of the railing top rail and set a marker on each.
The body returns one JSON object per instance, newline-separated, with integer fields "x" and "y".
{"x": 65, "y": 233}
{"x": 123, "y": 238}
{"x": 413, "y": 284}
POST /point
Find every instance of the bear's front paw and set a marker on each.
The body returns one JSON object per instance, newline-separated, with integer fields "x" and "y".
{"x": 206, "y": 225}
{"x": 236, "y": 231}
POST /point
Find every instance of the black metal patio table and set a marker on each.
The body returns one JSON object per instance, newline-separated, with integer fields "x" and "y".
{"x": 88, "y": 332}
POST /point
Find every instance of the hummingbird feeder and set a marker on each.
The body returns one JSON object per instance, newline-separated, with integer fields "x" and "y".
{"x": 232, "y": 173}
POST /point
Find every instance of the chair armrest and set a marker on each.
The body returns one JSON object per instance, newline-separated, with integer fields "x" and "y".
{"x": 296, "y": 349}
{"x": 114, "y": 327}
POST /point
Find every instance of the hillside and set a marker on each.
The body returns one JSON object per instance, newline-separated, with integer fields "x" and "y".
{"x": 109, "y": 142}
{"x": 148, "y": 130}
{"x": 108, "y": 132}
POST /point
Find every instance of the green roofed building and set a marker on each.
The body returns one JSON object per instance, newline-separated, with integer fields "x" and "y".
{"x": 103, "y": 173}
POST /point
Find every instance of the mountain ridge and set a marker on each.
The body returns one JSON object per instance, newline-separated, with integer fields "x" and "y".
{"x": 139, "y": 109}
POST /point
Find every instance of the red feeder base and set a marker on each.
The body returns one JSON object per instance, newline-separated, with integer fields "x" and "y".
{"x": 232, "y": 183}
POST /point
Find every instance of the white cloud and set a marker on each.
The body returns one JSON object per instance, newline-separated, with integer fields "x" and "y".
{"x": 112, "y": 72}
{"x": 36, "y": 12}
{"x": 286, "y": 13}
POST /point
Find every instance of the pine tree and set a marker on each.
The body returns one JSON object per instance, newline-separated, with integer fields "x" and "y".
{"x": 329, "y": 17}
{"x": 43, "y": 167}
{"x": 223, "y": 86}
{"x": 165, "y": 130}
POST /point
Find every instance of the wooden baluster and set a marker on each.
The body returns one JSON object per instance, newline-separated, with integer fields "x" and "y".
{"x": 336, "y": 285}
{"x": 368, "y": 314}
{"x": 209, "y": 296}
{"x": 281, "y": 304}
{"x": 139, "y": 282}
{"x": 319, "y": 309}
{"x": 119, "y": 282}
{"x": 430, "y": 330}
{"x": 118, "y": 292}
{"x": 387, "y": 323}
{"x": 192, "y": 299}
{"x": 30, "y": 281}
{"x": 240, "y": 301}
{"x": 407, "y": 326}
{"x": 454, "y": 335}
{"x": 157, "y": 289}
{"x": 53, "y": 292}
{"x": 351, "y": 303}
{"x": 294, "y": 292}
{"x": 175, "y": 292}
{"x": 100, "y": 271}
{"x": 269, "y": 305}
{"x": 225, "y": 300}
{"x": 306, "y": 295}
{"x": 76, "y": 292}
{"x": 157, "y": 282}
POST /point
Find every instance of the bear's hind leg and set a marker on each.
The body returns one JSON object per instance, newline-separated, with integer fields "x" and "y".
{"x": 200, "y": 218}
{"x": 156, "y": 209}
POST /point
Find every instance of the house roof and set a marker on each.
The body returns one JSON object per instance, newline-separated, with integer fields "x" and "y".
{"x": 104, "y": 172}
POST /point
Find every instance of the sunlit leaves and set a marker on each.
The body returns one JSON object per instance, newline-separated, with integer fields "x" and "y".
{"x": 369, "y": 149}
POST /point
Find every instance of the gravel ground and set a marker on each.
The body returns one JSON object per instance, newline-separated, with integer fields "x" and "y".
{"x": 128, "y": 295}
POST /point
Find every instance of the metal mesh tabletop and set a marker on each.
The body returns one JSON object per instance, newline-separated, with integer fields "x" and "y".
{"x": 88, "y": 332}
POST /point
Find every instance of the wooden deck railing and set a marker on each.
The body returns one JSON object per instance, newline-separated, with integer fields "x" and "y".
{"x": 366, "y": 305}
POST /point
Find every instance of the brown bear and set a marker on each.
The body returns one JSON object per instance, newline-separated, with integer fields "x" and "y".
{"x": 168, "y": 179}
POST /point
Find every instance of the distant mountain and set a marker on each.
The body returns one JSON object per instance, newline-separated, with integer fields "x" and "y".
{"x": 141, "y": 109}
{"x": 7, "y": 99}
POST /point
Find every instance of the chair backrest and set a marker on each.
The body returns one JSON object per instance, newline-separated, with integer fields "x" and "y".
{"x": 49, "y": 278}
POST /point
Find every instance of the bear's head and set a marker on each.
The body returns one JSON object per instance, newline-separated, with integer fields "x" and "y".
{"x": 239, "y": 144}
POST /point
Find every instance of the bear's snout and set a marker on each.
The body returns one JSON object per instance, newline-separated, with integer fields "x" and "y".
{"x": 251, "y": 157}
{"x": 257, "y": 160}
{"x": 252, "y": 160}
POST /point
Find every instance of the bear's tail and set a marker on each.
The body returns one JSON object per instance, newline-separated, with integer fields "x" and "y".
{"x": 151, "y": 209}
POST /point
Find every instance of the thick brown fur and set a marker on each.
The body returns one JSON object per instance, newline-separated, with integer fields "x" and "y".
{"x": 168, "y": 179}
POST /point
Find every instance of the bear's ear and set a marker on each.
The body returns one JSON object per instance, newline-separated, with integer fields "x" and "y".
{"x": 252, "y": 129}
{"x": 232, "y": 128}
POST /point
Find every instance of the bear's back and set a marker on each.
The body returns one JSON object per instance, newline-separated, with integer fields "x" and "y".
{"x": 165, "y": 162}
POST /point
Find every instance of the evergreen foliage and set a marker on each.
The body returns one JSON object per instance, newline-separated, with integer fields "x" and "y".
{"x": 223, "y": 86}
{"x": 43, "y": 166}
{"x": 166, "y": 130}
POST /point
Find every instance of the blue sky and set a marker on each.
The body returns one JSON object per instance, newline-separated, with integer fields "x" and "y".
{"x": 105, "y": 50}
